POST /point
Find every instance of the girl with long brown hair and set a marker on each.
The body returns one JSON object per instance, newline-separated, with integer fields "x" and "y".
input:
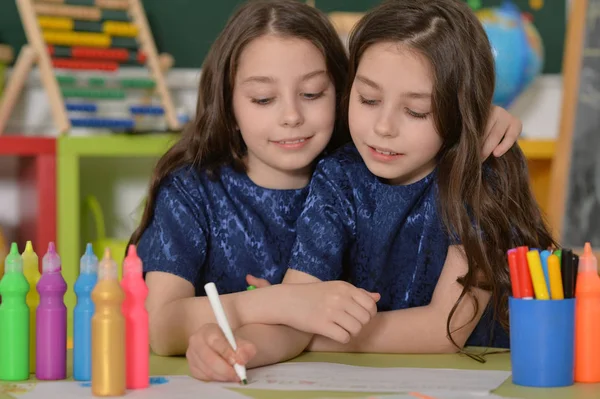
{"x": 409, "y": 210}
{"x": 224, "y": 200}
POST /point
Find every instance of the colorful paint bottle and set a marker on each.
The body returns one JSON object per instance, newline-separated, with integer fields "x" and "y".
{"x": 136, "y": 321}
{"x": 51, "y": 320}
{"x": 587, "y": 319}
{"x": 14, "y": 320}
{"x": 108, "y": 331}
{"x": 31, "y": 270}
{"x": 82, "y": 315}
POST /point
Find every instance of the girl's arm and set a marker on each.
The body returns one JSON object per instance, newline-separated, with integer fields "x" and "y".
{"x": 331, "y": 309}
{"x": 421, "y": 329}
{"x": 274, "y": 344}
{"x": 346, "y": 308}
{"x": 176, "y": 314}
{"x": 277, "y": 343}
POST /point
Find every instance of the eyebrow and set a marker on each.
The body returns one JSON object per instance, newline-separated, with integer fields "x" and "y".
{"x": 410, "y": 94}
{"x": 268, "y": 79}
{"x": 418, "y": 95}
{"x": 368, "y": 82}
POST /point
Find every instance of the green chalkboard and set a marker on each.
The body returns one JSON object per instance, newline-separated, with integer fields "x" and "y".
{"x": 186, "y": 28}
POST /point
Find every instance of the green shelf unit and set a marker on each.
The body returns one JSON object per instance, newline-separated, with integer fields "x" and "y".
{"x": 71, "y": 150}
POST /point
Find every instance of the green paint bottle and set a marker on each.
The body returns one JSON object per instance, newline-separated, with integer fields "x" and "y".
{"x": 14, "y": 320}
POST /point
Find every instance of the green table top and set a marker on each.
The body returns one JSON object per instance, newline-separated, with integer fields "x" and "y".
{"x": 178, "y": 366}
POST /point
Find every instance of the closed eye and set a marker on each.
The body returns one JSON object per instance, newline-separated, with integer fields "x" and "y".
{"x": 416, "y": 114}
{"x": 313, "y": 96}
{"x": 262, "y": 101}
{"x": 368, "y": 102}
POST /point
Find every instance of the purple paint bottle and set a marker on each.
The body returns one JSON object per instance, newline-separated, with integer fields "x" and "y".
{"x": 51, "y": 320}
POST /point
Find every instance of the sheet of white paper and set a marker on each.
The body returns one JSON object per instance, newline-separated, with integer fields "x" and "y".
{"x": 340, "y": 377}
{"x": 170, "y": 387}
{"x": 432, "y": 395}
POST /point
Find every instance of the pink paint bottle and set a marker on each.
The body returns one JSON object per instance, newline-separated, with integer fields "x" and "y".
{"x": 136, "y": 321}
{"x": 51, "y": 320}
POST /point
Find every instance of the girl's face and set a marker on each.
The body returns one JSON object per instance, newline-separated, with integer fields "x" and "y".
{"x": 390, "y": 113}
{"x": 284, "y": 105}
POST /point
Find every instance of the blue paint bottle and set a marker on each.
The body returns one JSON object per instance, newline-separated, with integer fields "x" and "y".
{"x": 82, "y": 316}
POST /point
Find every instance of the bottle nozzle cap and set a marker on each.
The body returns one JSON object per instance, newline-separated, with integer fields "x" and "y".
{"x": 588, "y": 261}
{"x": 13, "y": 261}
{"x": 51, "y": 261}
{"x": 107, "y": 269}
{"x": 132, "y": 251}
{"x": 89, "y": 261}
{"x": 28, "y": 247}
{"x": 132, "y": 263}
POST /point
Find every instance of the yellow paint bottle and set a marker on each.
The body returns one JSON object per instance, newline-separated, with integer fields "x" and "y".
{"x": 108, "y": 331}
{"x": 31, "y": 270}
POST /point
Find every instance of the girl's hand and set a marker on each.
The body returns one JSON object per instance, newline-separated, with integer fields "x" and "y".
{"x": 257, "y": 282}
{"x": 334, "y": 309}
{"x": 211, "y": 358}
{"x": 503, "y": 131}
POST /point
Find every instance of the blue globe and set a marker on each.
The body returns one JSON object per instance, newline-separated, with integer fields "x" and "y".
{"x": 517, "y": 47}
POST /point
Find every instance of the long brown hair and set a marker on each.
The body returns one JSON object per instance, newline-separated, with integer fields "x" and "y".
{"x": 488, "y": 206}
{"x": 212, "y": 139}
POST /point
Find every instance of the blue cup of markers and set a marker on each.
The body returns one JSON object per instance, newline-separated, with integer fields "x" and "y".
{"x": 542, "y": 340}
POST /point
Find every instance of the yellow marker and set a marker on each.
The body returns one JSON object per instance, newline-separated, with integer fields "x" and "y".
{"x": 32, "y": 274}
{"x": 536, "y": 4}
{"x": 556, "y": 285}
{"x": 537, "y": 275}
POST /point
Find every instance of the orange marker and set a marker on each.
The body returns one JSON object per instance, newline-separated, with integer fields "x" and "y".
{"x": 587, "y": 319}
{"x": 556, "y": 285}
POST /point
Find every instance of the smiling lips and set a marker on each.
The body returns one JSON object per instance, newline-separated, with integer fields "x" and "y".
{"x": 292, "y": 143}
{"x": 383, "y": 154}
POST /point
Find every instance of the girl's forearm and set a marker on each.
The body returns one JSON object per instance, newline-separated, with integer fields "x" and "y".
{"x": 172, "y": 324}
{"x": 274, "y": 343}
{"x": 414, "y": 330}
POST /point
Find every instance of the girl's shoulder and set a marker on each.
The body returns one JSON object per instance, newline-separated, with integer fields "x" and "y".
{"x": 190, "y": 179}
{"x": 344, "y": 162}
{"x": 191, "y": 185}
{"x": 185, "y": 180}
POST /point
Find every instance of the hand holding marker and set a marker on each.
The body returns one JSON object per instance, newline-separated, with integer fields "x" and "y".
{"x": 215, "y": 302}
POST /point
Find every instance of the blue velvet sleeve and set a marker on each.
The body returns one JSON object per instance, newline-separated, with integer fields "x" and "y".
{"x": 326, "y": 226}
{"x": 175, "y": 241}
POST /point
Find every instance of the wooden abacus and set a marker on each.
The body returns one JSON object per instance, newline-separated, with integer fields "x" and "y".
{"x": 88, "y": 35}
{"x": 6, "y": 57}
